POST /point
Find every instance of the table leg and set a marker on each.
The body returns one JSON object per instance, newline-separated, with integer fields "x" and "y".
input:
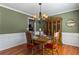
{"x": 43, "y": 49}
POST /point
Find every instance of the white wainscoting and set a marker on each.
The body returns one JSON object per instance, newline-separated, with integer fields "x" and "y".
{"x": 71, "y": 39}
{"x": 15, "y": 39}
{"x": 11, "y": 40}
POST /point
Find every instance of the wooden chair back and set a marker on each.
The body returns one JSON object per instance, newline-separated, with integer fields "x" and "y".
{"x": 29, "y": 37}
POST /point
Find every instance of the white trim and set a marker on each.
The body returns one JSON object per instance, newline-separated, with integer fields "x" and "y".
{"x": 63, "y": 12}
{"x": 70, "y": 39}
{"x": 11, "y": 40}
{"x": 15, "y": 10}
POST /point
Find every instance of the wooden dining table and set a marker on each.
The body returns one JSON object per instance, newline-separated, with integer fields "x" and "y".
{"x": 41, "y": 40}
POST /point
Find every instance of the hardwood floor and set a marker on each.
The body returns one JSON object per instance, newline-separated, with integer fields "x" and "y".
{"x": 18, "y": 50}
{"x": 70, "y": 50}
{"x": 22, "y": 50}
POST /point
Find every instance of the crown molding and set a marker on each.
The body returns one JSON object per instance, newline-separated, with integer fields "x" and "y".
{"x": 4, "y": 6}
{"x": 63, "y": 12}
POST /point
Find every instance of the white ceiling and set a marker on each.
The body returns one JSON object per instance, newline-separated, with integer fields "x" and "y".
{"x": 47, "y": 8}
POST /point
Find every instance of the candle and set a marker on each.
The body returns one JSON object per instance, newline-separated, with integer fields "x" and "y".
{"x": 39, "y": 29}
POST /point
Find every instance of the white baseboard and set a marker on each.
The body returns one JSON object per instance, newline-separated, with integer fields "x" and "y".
{"x": 11, "y": 40}
{"x": 70, "y": 39}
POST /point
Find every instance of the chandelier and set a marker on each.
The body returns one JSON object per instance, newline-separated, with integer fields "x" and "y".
{"x": 41, "y": 16}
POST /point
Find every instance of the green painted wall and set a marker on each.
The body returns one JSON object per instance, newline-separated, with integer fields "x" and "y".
{"x": 67, "y": 16}
{"x": 12, "y": 21}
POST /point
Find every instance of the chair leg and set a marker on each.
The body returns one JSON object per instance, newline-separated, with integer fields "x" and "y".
{"x": 32, "y": 51}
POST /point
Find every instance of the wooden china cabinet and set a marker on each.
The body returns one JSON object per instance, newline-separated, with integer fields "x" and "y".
{"x": 56, "y": 26}
{"x": 53, "y": 28}
{"x": 53, "y": 25}
{"x": 47, "y": 26}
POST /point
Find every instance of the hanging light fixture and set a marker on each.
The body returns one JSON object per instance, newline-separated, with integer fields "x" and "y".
{"x": 41, "y": 16}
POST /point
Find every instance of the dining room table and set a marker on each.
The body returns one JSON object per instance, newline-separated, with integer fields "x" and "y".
{"x": 41, "y": 40}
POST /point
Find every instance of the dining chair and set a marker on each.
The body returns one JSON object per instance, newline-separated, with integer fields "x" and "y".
{"x": 48, "y": 48}
{"x": 57, "y": 46}
{"x": 31, "y": 46}
{"x": 29, "y": 42}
